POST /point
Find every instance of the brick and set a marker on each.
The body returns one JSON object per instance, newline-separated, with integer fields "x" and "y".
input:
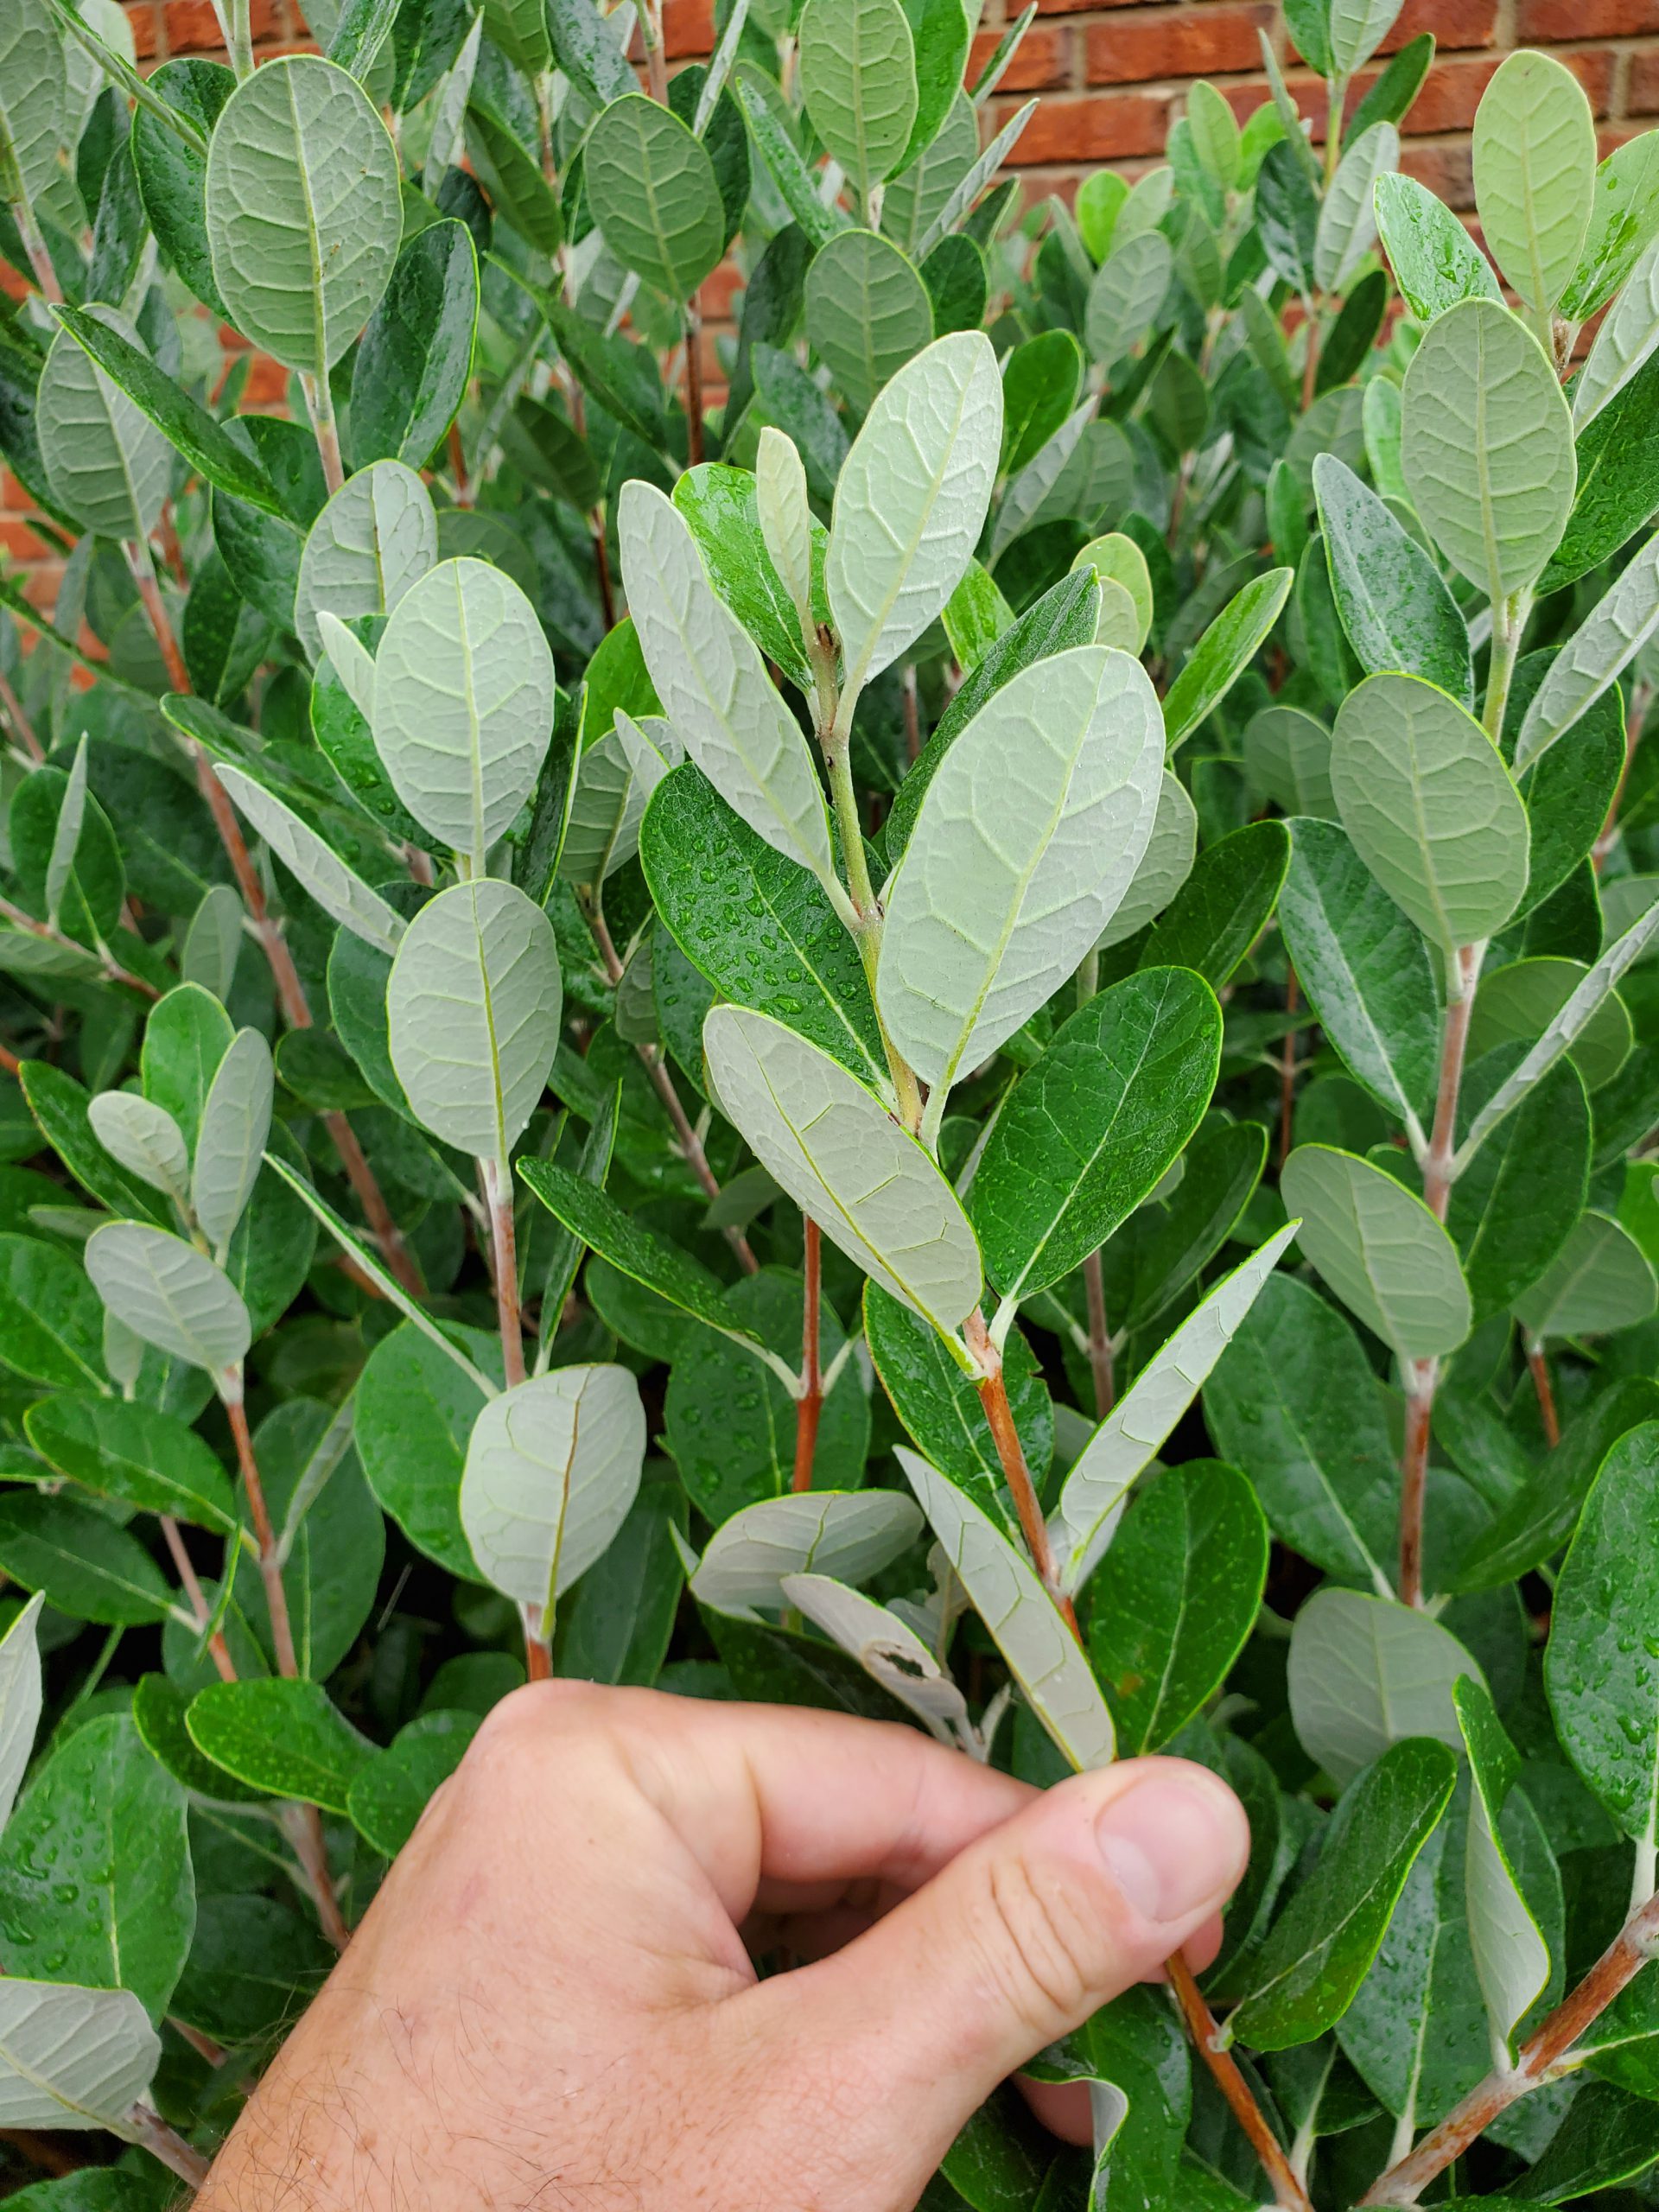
{"x": 689, "y": 29}
{"x": 1108, "y": 126}
{"x": 1446, "y": 170}
{"x": 1544, "y": 22}
{"x": 1184, "y": 42}
{"x": 1076, "y": 7}
{"x": 1455, "y": 23}
{"x": 1044, "y": 58}
{"x": 1642, "y": 97}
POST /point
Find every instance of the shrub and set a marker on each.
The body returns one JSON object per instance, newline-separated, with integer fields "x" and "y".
{"x": 722, "y": 1144}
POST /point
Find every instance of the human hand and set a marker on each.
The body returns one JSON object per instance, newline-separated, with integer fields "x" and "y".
{"x": 551, "y": 2002}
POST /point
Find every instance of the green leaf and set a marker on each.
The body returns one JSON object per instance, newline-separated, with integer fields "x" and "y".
{"x": 1125, "y": 296}
{"x": 173, "y": 174}
{"x": 34, "y": 107}
{"x": 1511, "y": 1956}
{"x": 388, "y": 1795}
{"x": 848, "y": 1535}
{"x": 1365, "y": 1672}
{"x": 1534, "y": 156}
{"x": 106, "y": 463}
{"x": 1288, "y": 210}
{"x": 415, "y": 1409}
{"x": 185, "y": 425}
{"x": 1541, "y": 1516}
{"x": 338, "y": 890}
{"x": 1513, "y": 1210}
{"x": 552, "y": 1467}
{"x": 715, "y": 689}
{"x": 1090, "y": 1131}
{"x": 1599, "y": 1666}
{"x": 1610, "y": 635}
{"x": 1165, "y": 866}
{"x": 135, "y": 1453}
{"x": 1041, "y": 1653}
{"x": 777, "y": 149}
{"x": 911, "y": 499}
{"x": 1380, "y": 1249}
{"x": 1394, "y": 602}
{"x": 1223, "y": 652}
{"x": 1356, "y": 29}
{"x": 616, "y": 1624}
{"x": 110, "y": 1916}
{"x": 73, "y": 2058}
{"x": 463, "y": 702}
{"x": 1305, "y": 1975}
{"x": 20, "y": 1700}
{"x": 87, "y": 1567}
{"x": 867, "y": 312}
{"x": 1487, "y": 444}
{"x": 1347, "y": 228}
{"x": 1092, "y": 1498}
{"x": 887, "y": 1649}
{"x": 831, "y": 1145}
{"x": 985, "y": 920}
{"x": 1430, "y": 808}
{"x": 473, "y": 1003}
{"x": 1618, "y": 456}
{"x": 723, "y": 507}
{"x": 758, "y": 926}
{"x": 1223, "y": 904}
{"x": 60, "y": 1106}
{"x": 1175, "y": 1598}
{"x": 303, "y": 213}
{"x": 654, "y": 194}
{"x": 378, "y": 535}
{"x": 287, "y": 1738}
{"x": 940, "y": 1405}
{"x": 415, "y": 355}
{"x": 586, "y": 48}
{"x": 1293, "y": 1402}
{"x": 858, "y": 78}
{"x": 50, "y": 1327}
{"x": 1517, "y": 1002}
{"x": 170, "y": 1295}
{"x": 1366, "y": 972}
{"x": 1599, "y": 1280}
{"x": 230, "y": 1144}
{"x": 1628, "y": 335}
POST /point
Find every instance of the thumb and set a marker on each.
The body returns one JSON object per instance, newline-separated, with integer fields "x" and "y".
{"x": 1015, "y": 1942}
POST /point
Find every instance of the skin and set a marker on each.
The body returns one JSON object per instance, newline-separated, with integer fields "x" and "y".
{"x": 552, "y": 2003}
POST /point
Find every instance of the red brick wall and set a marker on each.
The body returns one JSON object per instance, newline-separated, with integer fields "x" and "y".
{"x": 1112, "y": 78}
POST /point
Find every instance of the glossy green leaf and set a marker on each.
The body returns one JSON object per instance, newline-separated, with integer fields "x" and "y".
{"x": 725, "y": 508}
{"x": 304, "y": 217}
{"x": 1628, "y": 334}
{"x": 1523, "y": 1191}
{"x": 1366, "y": 972}
{"x": 1610, "y": 636}
{"x": 416, "y": 354}
{"x": 1517, "y": 1002}
{"x": 1599, "y": 1280}
{"x": 1223, "y": 904}
{"x": 1430, "y": 808}
{"x": 1534, "y": 156}
{"x": 858, "y": 77}
{"x": 990, "y": 909}
{"x": 1174, "y": 1600}
{"x": 1623, "y": 217}
{"x": 1394, "y": 602}
{"x": 464, "y": 703}
{"x": 473, "y": 1004}
{"x": 388, "y": 1795}
{"x": 1089, "y": 1132}
{"x": 135, "y": 1453}
{"x": 414, "y": 1411}
{"x": 1487, "y": 444}
{"x": 287, "y": 1738}
{"x": 846, "y": 1162}
{"x": 1042, "y": 1654}
{"x": 85, "y": 1565}
{"x": 1511, "y": 1956}
{"x": 106, "y": 462}
{"x": 1599, "y": 1667}
{"x": 1380, "y": 1249}
{"x": 1223, "y": 652}
{"x": 1306, "y": 1974}
{"x": 1618, "y": 454}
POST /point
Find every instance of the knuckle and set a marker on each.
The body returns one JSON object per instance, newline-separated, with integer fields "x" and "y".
{"x": 1044, "y": 1942}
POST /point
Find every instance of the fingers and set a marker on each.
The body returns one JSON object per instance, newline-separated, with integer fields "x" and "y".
{"x": 1016, "y": 1942}
{"x": 764, "y": 1795}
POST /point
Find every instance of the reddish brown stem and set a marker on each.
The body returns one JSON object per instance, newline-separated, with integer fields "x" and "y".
{"x": 1288, "y": 1070}
{"x": 691, "y": 1143}
{"x": 458, "y": 468}
{"x": 190, "y": 1583}
{"x": 172, "y": 551}
{"x": 270, "y": 1568}
{"x": 166, "y": 2144}
{"x": 1540, "y": 2056}
{"x": 809, "y": 1405}
{"x": 693, "y": 381}
{"x": 1413, "y": 1478}
{"x": 993, "y": 1396}
{"x": 538, "y": 1658}
{"x": 1224, "y": 2070}
{"x": 602, "y": 569}
{"x": 303, "y": 1825}
{"x": 504, "y": 1265}
{"x": 372, "y": 1199}
{"x": 113, "y": 969}
{"x": 39, "y": 259}
{"x": 10, "y": 1061}
{"x": 1603, "y": 843}
{"x": 12, "y": 706}
{"x": 1454, "y": 1039}
{"x": 1541, "y": 1382}
{"x": 1311, "y": 359}
{"x": 1102, "y": 1365}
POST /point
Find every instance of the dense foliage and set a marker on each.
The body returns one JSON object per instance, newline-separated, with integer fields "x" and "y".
{"x": 969, "y": 1036}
